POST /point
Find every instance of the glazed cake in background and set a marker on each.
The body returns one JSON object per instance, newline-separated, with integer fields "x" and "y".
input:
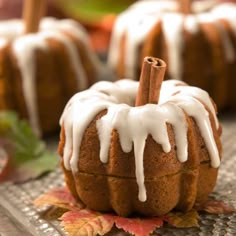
{"x": 199, "y": 48}
{"x": 39, "y": 72}
{"x": 145, "y": 159}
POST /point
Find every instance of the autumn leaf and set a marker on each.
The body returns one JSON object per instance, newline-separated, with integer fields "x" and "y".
{"x": 53, "y": 213}
{"x": 23, "y": 150}
{"x": 139, "y": 226}
{"x": 59, "y": 197}
{"x": 85, "y": 222}
{"x": 182, "y": 220}
{"x": 213, "y": 206}
{"x": 79, "y": 221}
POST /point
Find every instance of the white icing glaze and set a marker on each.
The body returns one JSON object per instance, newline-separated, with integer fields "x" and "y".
{"x": 134, "y": 124}
{"x": 172, "y": 25}
{"x": 73, "y": 54}
{"x": 24, "y": 50}
{"x": 3, "y": 42}
{"x": 134, "y": 36}
{"x": 227, "y": 42}
{"x": 24, "y": 47}
{"x": 149, "y": 13}
{"x": 226, "y": 9}
{"x": 202, "y": 6}
{"x": 225, "y": 38}
{"x": 10, "y": 29}
{"x": 78, "y": 31}
{"x": 191, "y": 24}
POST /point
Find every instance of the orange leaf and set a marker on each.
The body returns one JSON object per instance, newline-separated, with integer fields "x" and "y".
{"x": 86, "y": 222}
{"x": 53, "y": 213}
{"x": 183, "y": 220}
{"x": 59, "y": 197}
{"x": 216, "y": 207}
{"x": 139, "y": 226}
{"x": 78, "y": 221}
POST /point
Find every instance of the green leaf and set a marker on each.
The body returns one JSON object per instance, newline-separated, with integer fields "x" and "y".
{"x": 29, "y": 155}
{"x": 93, "y": 10}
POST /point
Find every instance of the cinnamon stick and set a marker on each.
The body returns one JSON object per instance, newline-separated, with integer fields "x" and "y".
{"x": 185, "y": 6}
{"x": 32, "y": 13}
{"x": 152, "y": 75}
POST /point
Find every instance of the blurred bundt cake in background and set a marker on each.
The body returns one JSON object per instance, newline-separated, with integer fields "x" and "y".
{"x": 40, "y": 71}
{"x": 198, "y": 41}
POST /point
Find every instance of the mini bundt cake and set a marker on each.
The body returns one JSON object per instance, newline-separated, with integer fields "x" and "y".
{"x": 199, "y": 47}
{"x": 40, "y": 71}
{"x": 146, "y": 159}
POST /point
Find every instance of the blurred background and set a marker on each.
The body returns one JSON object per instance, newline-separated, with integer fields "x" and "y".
{"x": 96, "y": 15}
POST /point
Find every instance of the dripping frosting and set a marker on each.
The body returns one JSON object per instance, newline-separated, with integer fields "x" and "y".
{"x": 139, "y": 19}
{"x": 134, "y": 124}
{"x": 25, "y": 46}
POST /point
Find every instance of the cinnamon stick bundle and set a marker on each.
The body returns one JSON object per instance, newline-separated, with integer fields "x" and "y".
{"x": 185, "y": 6}
{"x": 152, "y": 75}
{"x": 32, "y": 13}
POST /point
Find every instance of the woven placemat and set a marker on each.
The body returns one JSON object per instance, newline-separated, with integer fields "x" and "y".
{"x": 19, "y": 217}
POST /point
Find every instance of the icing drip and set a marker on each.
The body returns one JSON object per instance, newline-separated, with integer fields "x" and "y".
{"x": 74, "y": 130}
{"x": 173, "y": 31}
{"x": 24, "y": 49}
{"x": 3, "y": 43}
{"x": 191, "y": 24}
{"x": 203, "y": 123}
{"x": 227, "y": 43}
{"x": 138, "y": 20}
{"x": 134, "y": 38}
{"x": 175, "y": 86}
{"x": 78, "y": 32}
{"x": 25, "y": 46}
{"x": 134, "y": 124}
{"x": 10, "y": 29}
{"x": 136, "y": 29}
{"x": 226, "y": 11}
{"x": 73, "y": 54}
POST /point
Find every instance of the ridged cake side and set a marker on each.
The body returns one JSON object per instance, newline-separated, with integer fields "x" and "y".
{"x": 112, "y": 185}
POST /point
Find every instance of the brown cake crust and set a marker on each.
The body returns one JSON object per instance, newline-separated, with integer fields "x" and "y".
{"x": 169, "y": 183}
{"x": 55, "y": 78}
{"x": 214, "y": 73}
{"x": 6, "y": 93}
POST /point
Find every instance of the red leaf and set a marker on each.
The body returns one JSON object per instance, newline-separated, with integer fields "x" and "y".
{"x": 86, "y": 222}
{"x": 59, "y": 197}
{"x": 183, "y": 220}
{"x": 216, "y": 207}
{"x": 139, "y": 226}
{"x": 78, "y": 221}
{"x": 6, "y": 165}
